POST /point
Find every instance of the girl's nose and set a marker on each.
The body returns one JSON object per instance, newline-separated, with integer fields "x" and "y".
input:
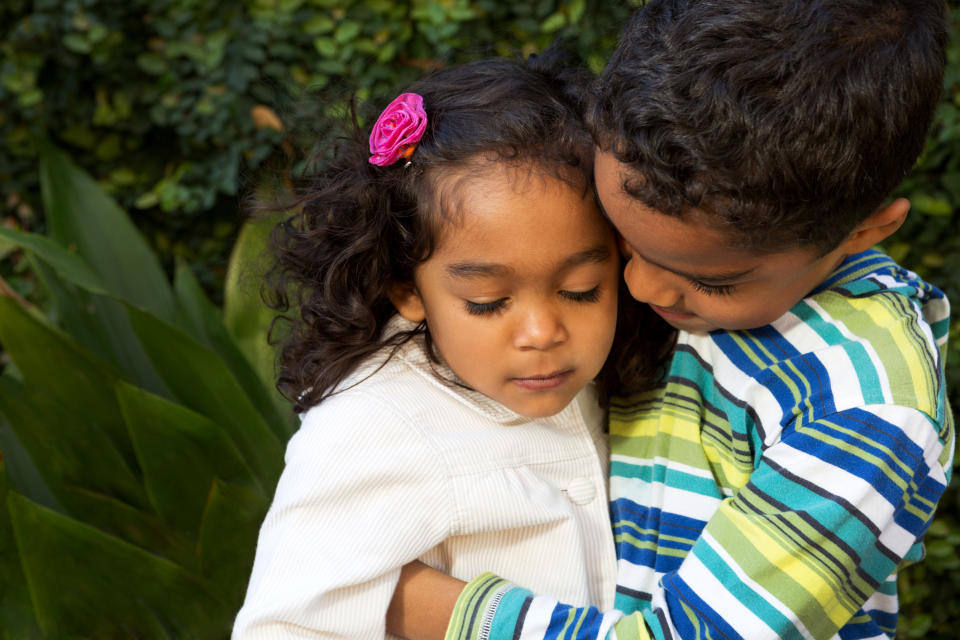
{"x": 540, "y": 328}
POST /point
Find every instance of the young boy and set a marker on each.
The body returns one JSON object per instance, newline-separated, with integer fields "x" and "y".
{"x": 791, "y": 460}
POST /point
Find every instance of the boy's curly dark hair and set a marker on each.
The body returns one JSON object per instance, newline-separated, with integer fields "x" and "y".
{"x": 358, "y": 227}
{"x": 786, "y": 121}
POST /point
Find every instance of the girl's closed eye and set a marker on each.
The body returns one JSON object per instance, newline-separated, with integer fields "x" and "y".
{"x": 590, "y": 295}
{"x": 713, "y": 289}
{"x": 485, "y": 308}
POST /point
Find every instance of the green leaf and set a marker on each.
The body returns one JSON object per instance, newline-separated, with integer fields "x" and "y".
{"x": 245, "y": 315}
{"x": 17, "y": 620}
{"x": 71, "y": 376}
{"x": 76, "y": 43}
{"x": 228, "y": 537}
{"x": 203, "y": 322}
{"x": 80, "y": 214}
{"x": 21, "y": 472}
{"x": 931, "y": 205}
{"x": 346, "y": 32}
{"x": 69, "y": 265}
{"x": 67, "y": 446}
{"x": 139, "y": 527}
{"x": 325, "y": 47}
{"x": 98, "y": 323}
{"x": 85, "y": 583}
{"x": 553, "y": 22}
{"x": 201, "y": 381}
{"x": 181, "y": 453}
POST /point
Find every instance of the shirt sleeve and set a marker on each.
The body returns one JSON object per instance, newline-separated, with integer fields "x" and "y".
{"x": 830, "y": 512}
{"x": 362, "y": 494}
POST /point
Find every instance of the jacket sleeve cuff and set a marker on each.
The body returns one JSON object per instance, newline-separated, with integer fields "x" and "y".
{"x": 488, "y": 607}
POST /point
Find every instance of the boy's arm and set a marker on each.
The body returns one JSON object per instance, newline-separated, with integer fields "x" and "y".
{"x": 423, "y": 602}
{"x": 820, "y": 527}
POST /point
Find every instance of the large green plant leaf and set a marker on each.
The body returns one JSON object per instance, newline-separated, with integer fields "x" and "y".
{"x": 80, "y": 214}
{"x": 181, "y": 452}
{"x": 200, "y": 380}
{"x": 67, "y": 447}
{"x": 17, "y": 621}
{"x": 22, "y": 473}
{"x": 140, "y": 527}
{"x": 201, "y": 317}
{"x": 73, "y": 377}
{"x": 69, "y": 265}
{"x": 99, "y": 323}
{"x": 85, "y": 583}
{"x": 85, "y": 311}
{"x": 246, "y": 316}
{"x": 228, "y": 537}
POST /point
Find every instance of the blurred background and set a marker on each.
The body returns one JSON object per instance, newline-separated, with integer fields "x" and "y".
{"x": 139, "y": 432}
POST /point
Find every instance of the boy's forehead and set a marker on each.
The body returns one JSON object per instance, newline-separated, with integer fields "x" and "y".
{"x": 688, "y": 245}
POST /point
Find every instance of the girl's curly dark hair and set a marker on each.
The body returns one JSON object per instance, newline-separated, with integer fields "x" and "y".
{"x": 358, "y": 228}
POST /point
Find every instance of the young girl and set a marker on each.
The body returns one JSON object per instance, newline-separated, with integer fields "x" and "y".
{"x": 457, "y": 289}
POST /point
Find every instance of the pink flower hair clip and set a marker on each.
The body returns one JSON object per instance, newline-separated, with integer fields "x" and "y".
{"x": 398, "y": 130}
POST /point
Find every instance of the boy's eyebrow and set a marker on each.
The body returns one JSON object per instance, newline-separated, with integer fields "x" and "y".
{"x": 470, "y": 270}
{"x": 714, "y": 278}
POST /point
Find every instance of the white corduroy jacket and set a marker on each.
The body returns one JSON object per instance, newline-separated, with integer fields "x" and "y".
{"x": 405, "y": 465}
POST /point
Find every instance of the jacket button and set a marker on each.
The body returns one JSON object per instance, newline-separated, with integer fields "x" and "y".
{"x": 581, "y": 491}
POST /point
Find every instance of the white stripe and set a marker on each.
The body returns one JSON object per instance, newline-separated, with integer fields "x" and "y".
{"x": 875, "y": 360}
{"x": 537, "y": 620}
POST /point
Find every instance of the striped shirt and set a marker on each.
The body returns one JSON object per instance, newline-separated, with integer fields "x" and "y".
{"x": 775, "y": 481}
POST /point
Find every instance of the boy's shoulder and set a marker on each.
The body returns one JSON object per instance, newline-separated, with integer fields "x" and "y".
{"x": 869, "y": 296}
{"x": 872, "y": 333}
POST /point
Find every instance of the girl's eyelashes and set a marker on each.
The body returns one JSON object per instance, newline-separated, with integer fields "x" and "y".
{"x": 591, "y": 295}
{"x": 713, "y": 289}
{"x": 485, "y": 308}
{"x": 495, "y": 306}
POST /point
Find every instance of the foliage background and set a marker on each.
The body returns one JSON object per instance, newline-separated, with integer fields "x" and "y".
{"x": 177, "y": 106}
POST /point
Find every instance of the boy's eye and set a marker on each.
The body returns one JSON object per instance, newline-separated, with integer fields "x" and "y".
{"x": 485, "y": 308}
{"x": 713, "y": 289}
{"x": 582, "y": 296}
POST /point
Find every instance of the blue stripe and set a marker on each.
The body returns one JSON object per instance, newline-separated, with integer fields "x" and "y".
{"x": 678, "y": 593}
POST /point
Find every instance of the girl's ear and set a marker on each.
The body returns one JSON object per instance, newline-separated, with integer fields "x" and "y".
{"x": 407, "y": 301}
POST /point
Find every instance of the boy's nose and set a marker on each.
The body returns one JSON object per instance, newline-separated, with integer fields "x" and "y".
{"x": 539, "y": 329}
{"x": 651, "y": 286}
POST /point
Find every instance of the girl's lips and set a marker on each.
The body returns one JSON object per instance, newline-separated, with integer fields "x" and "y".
{"x": 543, "y": 383}
{"x": 672, "y": 315}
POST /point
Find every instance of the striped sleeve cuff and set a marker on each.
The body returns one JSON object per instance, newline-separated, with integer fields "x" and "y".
{"x": 488, "y": 607}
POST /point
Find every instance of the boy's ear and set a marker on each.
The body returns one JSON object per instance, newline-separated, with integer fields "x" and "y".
{"x": 877, "y": 226}
{"x": 407, "y": 301}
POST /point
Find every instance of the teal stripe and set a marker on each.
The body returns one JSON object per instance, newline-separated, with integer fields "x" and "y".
{"x": 658, "y": 474}
{"x": 870, "y": 385}
{"x": 508, "y": 612}
{"x": 940, "y": 328}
